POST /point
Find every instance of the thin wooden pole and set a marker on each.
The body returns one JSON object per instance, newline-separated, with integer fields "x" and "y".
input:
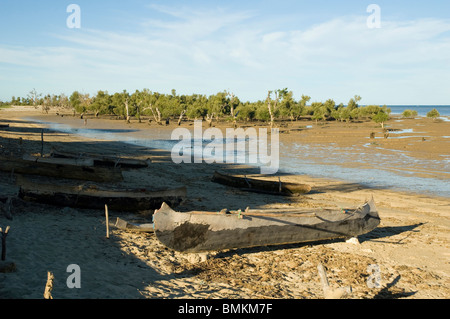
{"x": 4, "y": 234}
{"x": 49, "y": 286}
{"x": 107, "y": 221}
{"x": 42, "y": 142}
{"x": 330, "y": 292}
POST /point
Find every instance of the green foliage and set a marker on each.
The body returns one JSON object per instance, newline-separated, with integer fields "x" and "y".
{"x": 76, "y": 102}
{"x": 247, "y": 112}
{"x": 223, "y": 105}
{"x": 103, "y": 103}
{"x": 381, "y": 117}
{"x": 409, "y": 113}
{"x": 262, "y": 112}
{"x": 433, "y": 114}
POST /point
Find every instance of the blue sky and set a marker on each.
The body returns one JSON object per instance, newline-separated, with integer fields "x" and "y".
{"x": 323, "y": 49}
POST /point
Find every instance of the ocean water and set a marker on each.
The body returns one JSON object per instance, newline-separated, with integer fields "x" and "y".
{"x": 422, "y": 110}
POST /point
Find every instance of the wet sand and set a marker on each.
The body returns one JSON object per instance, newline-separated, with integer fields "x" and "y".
{"x": 411, "y": 245}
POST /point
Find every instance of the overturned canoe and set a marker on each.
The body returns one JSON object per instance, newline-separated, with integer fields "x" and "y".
{"x": 263, "y": 186}
{"x": 196, "y": 232}
{"x": 93, "y": 197}
{"x": 103, "y": 160}
{"x": 61, "y": 170}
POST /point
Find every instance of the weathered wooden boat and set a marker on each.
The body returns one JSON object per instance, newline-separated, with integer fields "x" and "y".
{"x": 103, "y": 160}
{"x": 261, "y": 186}
{"x": 62, "y": 161}
{"x": 196, "y": 232}
{"x": 93, "y": 197}
{"x": 61, "y": 170}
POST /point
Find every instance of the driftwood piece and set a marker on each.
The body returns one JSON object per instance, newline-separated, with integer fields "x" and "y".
{"x": 96, "y": 174}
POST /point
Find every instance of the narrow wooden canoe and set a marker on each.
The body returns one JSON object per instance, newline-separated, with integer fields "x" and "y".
{"x": 62, "y": 161}
{"x": 61, "y": 170}
{"x": 263, "y": 186}
{"x": 93, "y": 197}
{"x": 196, "y": 232}
{"x": 103, "y": 160}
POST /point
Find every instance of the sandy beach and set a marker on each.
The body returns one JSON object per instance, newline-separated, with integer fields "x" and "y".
{"x": 410, "y": 247}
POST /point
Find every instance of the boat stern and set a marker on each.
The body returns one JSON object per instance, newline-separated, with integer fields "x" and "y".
{"x": 373, "y": 219}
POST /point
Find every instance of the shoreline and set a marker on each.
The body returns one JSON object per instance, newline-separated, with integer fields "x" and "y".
{"x": 406, "y": 157}
{"x": 411, "y": 244}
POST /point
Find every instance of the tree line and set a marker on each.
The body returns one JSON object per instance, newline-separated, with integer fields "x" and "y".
{"x": 278, "y": 105}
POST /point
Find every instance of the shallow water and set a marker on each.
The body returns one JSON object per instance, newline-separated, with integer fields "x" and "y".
{"x": 389, "y": 169}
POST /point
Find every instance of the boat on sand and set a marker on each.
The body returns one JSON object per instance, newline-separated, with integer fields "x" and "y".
{"x": 196, "y": 231}
{"x": 102, "y": 160}
{"x": 94, "y": 197}
{"x": 260, "y": 185}
{"x": 48, "y": 168}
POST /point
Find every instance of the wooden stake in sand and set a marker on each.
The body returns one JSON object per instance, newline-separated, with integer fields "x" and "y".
{"x": 4, "y": 234}
{"x": 42, "y": 142}
{"x": 107, "y": 221}
{"x": 49, "y": 286}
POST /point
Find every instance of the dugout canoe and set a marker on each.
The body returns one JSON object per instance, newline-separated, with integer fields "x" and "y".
{"x": 63, "y": 161}
{"x": 196, "y": 232}
{"x": 93, "y": 197}
{"x": 262, "y": 186}
{"x": 102, "y": 160}
{"x": 60, "y": 170}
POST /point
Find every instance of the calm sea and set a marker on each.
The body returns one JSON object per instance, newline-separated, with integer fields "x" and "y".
{"x": 422, "y": 110}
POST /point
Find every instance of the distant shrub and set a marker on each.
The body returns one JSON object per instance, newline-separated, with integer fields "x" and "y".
{"x": 409, "y": 113}
{"x": 433, "y": 114}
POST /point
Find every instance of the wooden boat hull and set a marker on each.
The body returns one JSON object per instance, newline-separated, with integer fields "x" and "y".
{"x": 95, "y": 174}
{"x": 87, "y": 162}
{"x": 196, "y": 232}
{"x": 101, "y": 160}
{"x": 118, "y": 200}
{"x": 264, "y": 186}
